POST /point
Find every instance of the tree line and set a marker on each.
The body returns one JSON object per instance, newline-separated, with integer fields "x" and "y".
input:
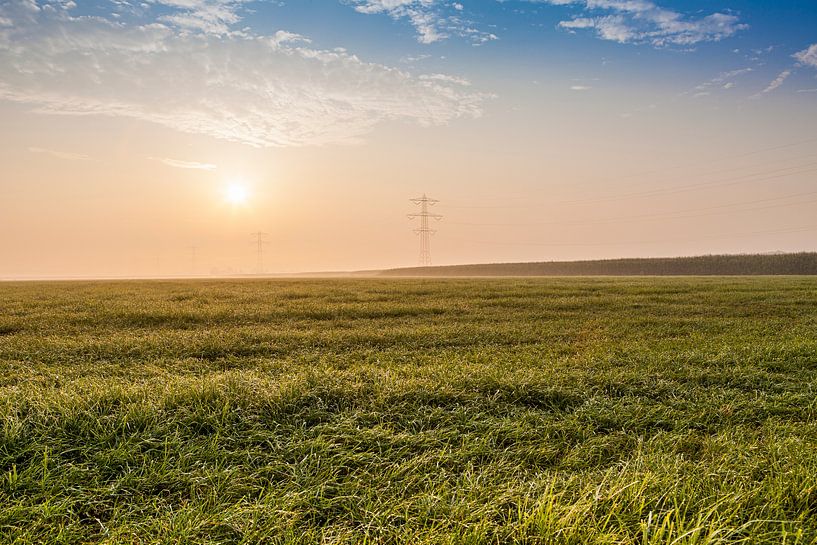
{"x": 802, "y": 263}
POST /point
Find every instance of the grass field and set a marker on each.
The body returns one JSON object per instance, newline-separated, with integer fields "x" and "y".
{"x": 669, "y": 410}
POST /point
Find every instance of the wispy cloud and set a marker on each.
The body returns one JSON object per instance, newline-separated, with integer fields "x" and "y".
{"x": 643, "y": 21}
{"x": 67, "y": 155}
{"x": 257, "y": 90}
{"x": 433, "y": 20}
{"x": 176, "y": 163}
{"x": 212, "y": 16}
{"x": 411, "y": 59}
{"x": 806, "y": 57}
{"x": 283, "y": 37}
{"x": 648, "y": 108}
{"x": 774, "y": 84}
{"x": 446, "y": 79}
{"x": 580, "y": 87}
{"x": 724, "y": 80}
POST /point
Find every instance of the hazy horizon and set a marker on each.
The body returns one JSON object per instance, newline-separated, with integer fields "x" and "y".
{"x": 548, "y": 130}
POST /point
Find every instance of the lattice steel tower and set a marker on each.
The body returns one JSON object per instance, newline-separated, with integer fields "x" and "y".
{"x": 425, "y": 231}
{"x": 260, "y": 239}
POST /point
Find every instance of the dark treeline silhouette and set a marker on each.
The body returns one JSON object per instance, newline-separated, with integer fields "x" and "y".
{"x": 804, "y": 263}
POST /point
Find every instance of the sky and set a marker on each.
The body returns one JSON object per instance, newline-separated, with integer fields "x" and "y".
{"x": 151, "y": 138}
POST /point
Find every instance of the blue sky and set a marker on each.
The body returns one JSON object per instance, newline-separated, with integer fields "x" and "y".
{"x": 525, "y": 33}
{"x": 473, "y": 52}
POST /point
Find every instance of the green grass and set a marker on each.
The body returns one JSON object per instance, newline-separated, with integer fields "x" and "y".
{"x": 537, "y": 411}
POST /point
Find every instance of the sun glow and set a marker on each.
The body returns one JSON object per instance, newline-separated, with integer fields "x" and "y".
{"x": 236, "y": 194}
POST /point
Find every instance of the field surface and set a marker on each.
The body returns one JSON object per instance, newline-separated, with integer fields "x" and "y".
{"x": 538, "y": 411}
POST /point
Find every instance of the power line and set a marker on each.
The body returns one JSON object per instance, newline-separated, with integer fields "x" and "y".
{"x": 760, "y": 176}
{"x": 781, "y": 172}
{"x": 757, "y": 151}
{"x": 260, "y": 239}
{"x": 667, "y": 169}
{"x": 425, "y": 231}
{"x": 678, "y": 214}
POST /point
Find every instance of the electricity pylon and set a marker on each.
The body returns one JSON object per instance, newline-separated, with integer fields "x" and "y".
{"x": 425, "y": 231}
{"x": 260, "y": 240}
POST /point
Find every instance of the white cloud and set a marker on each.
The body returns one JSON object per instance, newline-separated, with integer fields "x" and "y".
{"x": 722, "y": 81}
{"x": 642, "y": 21}
{"x": 774, "y": 84}
{"x": 256, "y": 90}
{"x": 445, "y": 78}
{"x": 580, "y": 87}
{"x": 67, "y": 155}
{"x": 612, "y": 27}
{"x": 422, "y": 14}
{"x": 723, "y": 76}
{"x": 411, "y": 59}
{"x": 212, "y": 16}
{"x": 433, "y": 20}
{"x": 282, "y": 37}
{"x": 807, "y": 56}
{"x": 176, "y": 163}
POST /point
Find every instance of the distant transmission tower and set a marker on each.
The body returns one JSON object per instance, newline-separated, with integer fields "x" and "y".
{"x": 260, "y": 239}
{"x": 425, "y": 231}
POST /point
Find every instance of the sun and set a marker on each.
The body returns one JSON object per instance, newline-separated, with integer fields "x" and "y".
{"x": 236, "y": 194}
